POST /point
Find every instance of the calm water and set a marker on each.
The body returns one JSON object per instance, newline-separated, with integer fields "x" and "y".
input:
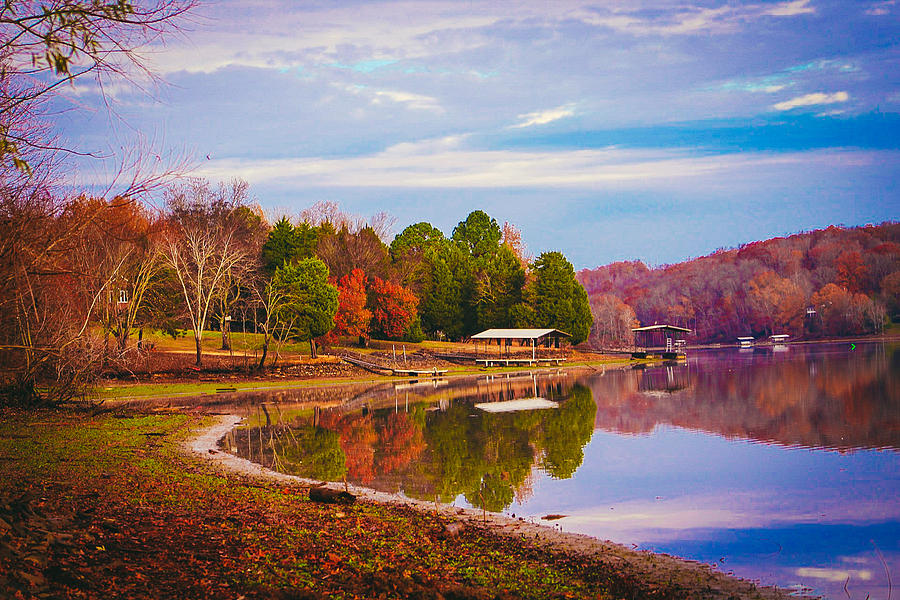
{"x": 777, "y": 466}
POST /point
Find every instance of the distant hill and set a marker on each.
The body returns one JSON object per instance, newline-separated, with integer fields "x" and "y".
{"x": 829, "y": 282}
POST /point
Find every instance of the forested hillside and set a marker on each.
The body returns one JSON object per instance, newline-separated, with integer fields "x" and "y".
{"x": 831, "y": 282}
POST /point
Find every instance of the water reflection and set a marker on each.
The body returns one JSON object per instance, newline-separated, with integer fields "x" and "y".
{"x": 816, "y": 397}
{"x": 437, "y": 447}
{"x": 781, "y": 466}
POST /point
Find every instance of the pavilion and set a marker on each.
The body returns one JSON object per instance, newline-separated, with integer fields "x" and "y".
{"x": 548, "y": 338}
{"x": 663, "y": 339}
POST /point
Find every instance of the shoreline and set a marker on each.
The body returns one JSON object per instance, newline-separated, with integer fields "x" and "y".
{"x": 204, "y": 444}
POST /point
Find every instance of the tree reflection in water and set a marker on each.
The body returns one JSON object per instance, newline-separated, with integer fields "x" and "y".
{"x": 813, "y": 397}
{"x": 428, "y": 452}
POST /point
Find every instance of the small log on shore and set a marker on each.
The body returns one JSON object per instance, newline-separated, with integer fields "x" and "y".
{"x": 329, "y": 496}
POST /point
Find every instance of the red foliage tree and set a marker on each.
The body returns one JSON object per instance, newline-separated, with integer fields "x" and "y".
{"x": 352, "y": 318}
{"x": 851, "y": 271}
{"x": 393, "y": 307}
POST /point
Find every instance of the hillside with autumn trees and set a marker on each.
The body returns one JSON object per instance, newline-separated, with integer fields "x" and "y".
{"x": 831, "y": 282}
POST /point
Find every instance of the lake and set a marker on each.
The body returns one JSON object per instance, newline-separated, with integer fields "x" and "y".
{"x": 779, "y": 465}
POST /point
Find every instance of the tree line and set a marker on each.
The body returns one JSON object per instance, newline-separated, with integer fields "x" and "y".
{"x": 831, "y": 282}
{"x": 81, "y": 277}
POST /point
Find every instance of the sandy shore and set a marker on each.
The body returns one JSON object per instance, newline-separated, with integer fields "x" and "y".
{"x": 655, "y": 567}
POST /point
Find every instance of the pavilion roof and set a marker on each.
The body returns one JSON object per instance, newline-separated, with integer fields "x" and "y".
{"x": 517, "y": 334}
{"x": 661, "y": 327}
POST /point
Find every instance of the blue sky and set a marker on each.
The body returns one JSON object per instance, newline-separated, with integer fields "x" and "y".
{"x": 608, "y": 130}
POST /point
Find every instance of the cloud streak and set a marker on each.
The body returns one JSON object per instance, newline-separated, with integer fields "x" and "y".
{"x": 816, "y": 99}
{"x": 544, "y": 116}
{"x": 445, "y": 164}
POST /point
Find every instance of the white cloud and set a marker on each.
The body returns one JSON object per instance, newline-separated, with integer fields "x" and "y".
{"x": 319, "y": 37}
{"x": 543, "y": 117}
{"x": 693, "y": 19}
{"x": 790, "y": 9}
{"x": 446, "y": 164}
{"x": 401, "y": 31}
{"x": 408, "y": 99}
{"x": 834, "y": 575}
{"x": 816, "y": 99}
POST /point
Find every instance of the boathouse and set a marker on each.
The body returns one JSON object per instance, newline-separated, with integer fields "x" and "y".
{"x": 663, "y": 340}
{"x": 507, "y": 338}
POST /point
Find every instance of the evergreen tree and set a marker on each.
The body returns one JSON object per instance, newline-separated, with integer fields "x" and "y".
{"x": 498, "y": 287}
{"x": 312, "y": 301}
{"x": 479, "y": 235}
{"x": 558, "y": 299}
{"x": 446, "y": 290}
{"x": 287, "y": 243}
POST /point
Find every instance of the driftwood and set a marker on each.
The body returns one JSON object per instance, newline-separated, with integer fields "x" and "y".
{"x": 329, "y": 496}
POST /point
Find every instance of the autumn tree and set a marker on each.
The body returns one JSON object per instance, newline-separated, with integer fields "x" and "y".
{"x": 269, "y": 301}
{"x": 250, "y": 232}
{"x": 310, "y": 301}
{"x": 46, "y": 345}
{"x": 779, "y": 303}
{"x": 613, "y": 321}
{"x": 890, "y": 288}
{"x": 851, "y": 271}
{"x": 117, "y": 256}
{"x": 511, "y": 237}
{"x": 353, "y": 317}
{"x": 347, "y": 249}
{"x": 393, "y": 309}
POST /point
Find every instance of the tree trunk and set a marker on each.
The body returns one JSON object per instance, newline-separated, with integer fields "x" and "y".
{"x": 199, "y": 351}
{"x": 223, "y": 325}
{"x": 262, "y": 360}
{"x": 312, "y": 348}
{"x": 140, "y": 343}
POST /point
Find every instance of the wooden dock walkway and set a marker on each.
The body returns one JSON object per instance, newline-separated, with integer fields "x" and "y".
{"x": 507, "y": 362}
{"x": 398, "y": 372}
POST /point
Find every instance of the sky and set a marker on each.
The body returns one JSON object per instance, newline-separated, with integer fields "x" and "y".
{"x": 608, "y": 130}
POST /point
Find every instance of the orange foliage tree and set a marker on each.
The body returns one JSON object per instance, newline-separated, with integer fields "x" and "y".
{"x": 352, "y": 317}
{"x": 393, "y": 307}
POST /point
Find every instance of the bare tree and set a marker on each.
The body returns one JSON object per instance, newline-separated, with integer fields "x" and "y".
{"x": 47, "y": 44}
{"x": 251, "y": 230}
{"x": 270, "y": 300}
{"x": 203, "y": 244}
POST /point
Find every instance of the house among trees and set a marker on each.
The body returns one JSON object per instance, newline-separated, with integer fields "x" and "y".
{"x": 664, "y": 340}
{"x": 535, "y": 338}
